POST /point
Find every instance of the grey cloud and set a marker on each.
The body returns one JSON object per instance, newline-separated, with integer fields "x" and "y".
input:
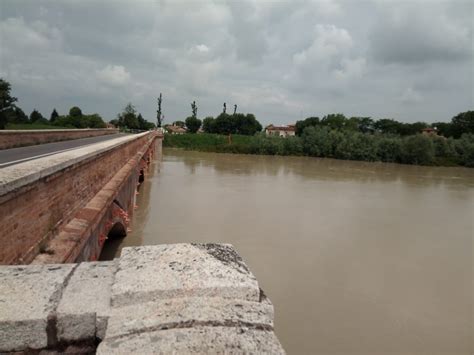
{"x": 410, "y": 34}
{"x": 276, "y": 59}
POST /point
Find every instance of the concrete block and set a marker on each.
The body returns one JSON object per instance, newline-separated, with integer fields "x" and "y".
{"x": 159, "y": 272}
{"x": 199, "y": 340}
{"x": 84, "y": 308}
{"x": 28, "y": 296}
{"x": 185, "y": 312}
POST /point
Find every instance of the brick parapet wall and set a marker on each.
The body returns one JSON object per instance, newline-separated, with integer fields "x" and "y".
{"x": 20, "y": 138}
{"x": 34, "y": 213}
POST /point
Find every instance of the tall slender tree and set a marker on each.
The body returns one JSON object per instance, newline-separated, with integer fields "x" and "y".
{"x": 159, "y": 117}
{"x": 54, "y": 116}
{"x": 225, "y": 108}
{"x": 194, "y": 109}
{"x": 235, "y": 108}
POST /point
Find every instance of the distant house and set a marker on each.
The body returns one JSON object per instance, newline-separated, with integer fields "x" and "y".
{"x": 280, "y": 131}
{"x": 175, "y": 129}
{"x": 429, "y": 131}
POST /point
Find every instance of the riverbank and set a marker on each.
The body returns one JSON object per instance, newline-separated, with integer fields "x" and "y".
{"x": 325, "y": 143}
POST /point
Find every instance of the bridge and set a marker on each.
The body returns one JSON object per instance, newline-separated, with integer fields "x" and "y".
{"x": 62, "y": 207}
{"x": 59, "y": 203}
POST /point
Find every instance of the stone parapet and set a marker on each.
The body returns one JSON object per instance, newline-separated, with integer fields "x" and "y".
{"x": 179, "y": 298}
{"x": 20, "y": 138}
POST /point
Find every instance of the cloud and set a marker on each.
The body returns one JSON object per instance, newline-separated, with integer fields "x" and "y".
{"x": 411, "y": 96}
{"x": 202, "y": 48}
{"x": 408, "y": 34}
{"x": 274, "y": 59}
{"x": 329, "y": 44}
{"x": 114, "y": 75}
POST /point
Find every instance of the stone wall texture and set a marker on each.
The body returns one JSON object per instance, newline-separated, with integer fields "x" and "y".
{"x": 163, "y": 299}
{"x": 20, "y": 138}
{"x": 53, "y": 218}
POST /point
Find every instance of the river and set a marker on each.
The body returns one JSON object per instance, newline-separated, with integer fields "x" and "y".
{"x": 358, "y": 258}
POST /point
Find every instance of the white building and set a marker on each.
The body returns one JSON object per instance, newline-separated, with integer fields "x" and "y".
{"x": 280, "y": 131}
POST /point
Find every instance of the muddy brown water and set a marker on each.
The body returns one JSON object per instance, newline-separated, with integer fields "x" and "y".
{"x": 358, "y": 258}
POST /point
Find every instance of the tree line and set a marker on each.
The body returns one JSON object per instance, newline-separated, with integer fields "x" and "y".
{"x": 11, "y": 113}
{"x": 224, "y": 123}
{"x": 459, "y": 124}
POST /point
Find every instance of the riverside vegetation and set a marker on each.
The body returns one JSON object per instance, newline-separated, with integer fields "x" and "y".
{"x": 353, "y": 139}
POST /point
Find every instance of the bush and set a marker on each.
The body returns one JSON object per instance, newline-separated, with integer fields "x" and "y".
{"x": 418, "y": 149}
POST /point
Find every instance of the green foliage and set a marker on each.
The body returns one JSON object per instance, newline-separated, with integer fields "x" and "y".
{"x": 78, "y": 120}
{"x": 465, "y": 149}
{"x": 418, "y": 149}
{"x": 308, "y": 122}
{"x": 462, "y": 123}
{"x": 321, "y": 141}
{"x": 129, "y": 119}
{"x": 208, "y": 124}
{"x": 232, "y": 124}
{"x": 7, "y": 102}
{"x": 35, "y": 115}
{"x": 159, "y": 116}
{"x": 54, "y": 116}
{"x": 16, "y": 115}
{"x": 193, "y": 124}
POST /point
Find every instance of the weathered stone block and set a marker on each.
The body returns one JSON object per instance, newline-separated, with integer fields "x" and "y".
{"x": 186, "y": 312}
{"x": 85, "y": 305}
{"x": 159, "y": 272}
{"x": 28, "y": 295}
{"x": 199, "y": 340}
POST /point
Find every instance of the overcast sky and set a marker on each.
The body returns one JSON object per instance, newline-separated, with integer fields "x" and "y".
{"x": 409, "y": 60}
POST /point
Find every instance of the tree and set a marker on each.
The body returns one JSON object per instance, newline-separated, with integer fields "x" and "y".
{"x": 194, "y": 109}
{"x": 235, "y": 109}
{"x": 308, "y": 122}
{"x": 7, "y": 102}
{"x": 159, "y": 117}
{"x": 334, "y": 121}
{"x": 223, "y": 124}
{"x": 35, "y": 116}
{"x": 463, "y": 123}
{"x": 387, "y": 126}
{"x": 208, "y": 125}
{"x": 418, "y": 149}
{"x": 75, "y": 111}
{"x": 93, "y": 121}
{"x": 54, "y": 116}
{"x": 193, "y": 124}
{"x": 128, "y": 117}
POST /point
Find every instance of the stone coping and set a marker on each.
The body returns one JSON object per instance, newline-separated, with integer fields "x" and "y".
{"x": 199, "y": 299}
{"x": 16, "y": 176}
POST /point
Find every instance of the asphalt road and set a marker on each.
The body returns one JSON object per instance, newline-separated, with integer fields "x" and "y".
{"x": 19, "y": 155}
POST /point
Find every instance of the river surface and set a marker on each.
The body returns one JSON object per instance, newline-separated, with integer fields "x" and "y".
{"x": 358, "y": 258}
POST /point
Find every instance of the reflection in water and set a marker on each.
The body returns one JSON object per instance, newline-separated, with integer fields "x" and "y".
{"x": 358, "y": 258}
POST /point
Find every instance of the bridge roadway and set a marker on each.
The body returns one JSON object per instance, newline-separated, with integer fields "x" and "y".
{"x": 18, "y": 155}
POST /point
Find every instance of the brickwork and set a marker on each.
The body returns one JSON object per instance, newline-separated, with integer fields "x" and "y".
{"x": 21, "y": 138}
{"x": 74, "y": 203}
